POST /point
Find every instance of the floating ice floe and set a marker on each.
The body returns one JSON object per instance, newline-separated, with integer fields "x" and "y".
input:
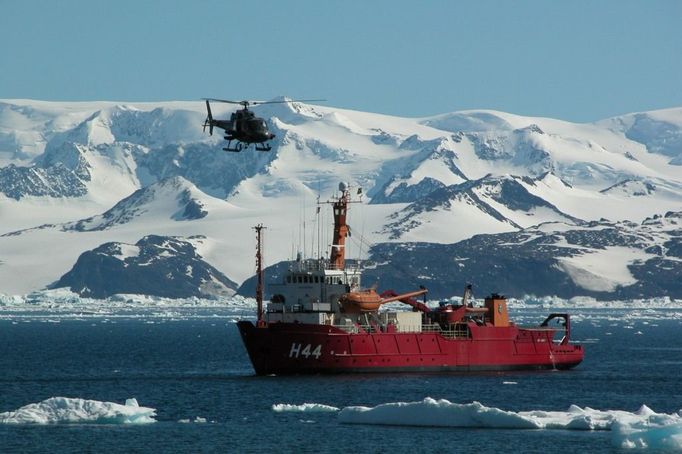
{"x": 641, "y": 429}
{"x": 63, "y": 303}
{"x": 587, "y": 302}
{"x": 665, "y": 437}
{"x": 304, "y": 408}
{"x": 197, "y": 420}
{"x": 64, "y": 410}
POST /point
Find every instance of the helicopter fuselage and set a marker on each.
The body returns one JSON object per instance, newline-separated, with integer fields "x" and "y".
{"x": 244, "y": 127}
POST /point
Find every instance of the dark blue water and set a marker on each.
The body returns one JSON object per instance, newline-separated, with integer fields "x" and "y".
{"x": 199, "y": 368}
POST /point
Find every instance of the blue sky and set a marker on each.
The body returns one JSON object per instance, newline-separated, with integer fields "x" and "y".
{"x": 575, "y": 60}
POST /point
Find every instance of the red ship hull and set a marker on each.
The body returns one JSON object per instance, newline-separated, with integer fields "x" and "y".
{"x": 297, "y": 348}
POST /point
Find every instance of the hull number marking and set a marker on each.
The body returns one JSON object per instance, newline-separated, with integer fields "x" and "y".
{"x": 298, "y": 350}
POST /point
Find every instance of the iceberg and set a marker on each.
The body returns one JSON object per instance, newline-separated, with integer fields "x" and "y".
{"x": 303, "y": 408}
{"x": 65, "y": 410}
{"x": 64, "y": 304}
{"x": 634, "y": 436}
{"x": 630, "y": 430}
{"x": 436, "y": 413}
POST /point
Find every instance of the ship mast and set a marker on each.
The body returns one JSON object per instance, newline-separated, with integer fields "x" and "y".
{"x": 337, "y": 257}
{"x": 259, "y": 274}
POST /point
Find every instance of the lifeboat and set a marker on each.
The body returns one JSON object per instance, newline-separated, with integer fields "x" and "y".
{"x": 369, "y": 300}
{"x": 361, "y": 301}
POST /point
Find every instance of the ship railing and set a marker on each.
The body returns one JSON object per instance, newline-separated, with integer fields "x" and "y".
{"x": 456, "y": 331}
{"x": 424, "y": 328}
{"x": 351, "y": 329}
{"x": 355, "y": 329}
{"x": 417, "y": 328}
{"x": 349, "y": 268}
{"x": 309, "y": 265}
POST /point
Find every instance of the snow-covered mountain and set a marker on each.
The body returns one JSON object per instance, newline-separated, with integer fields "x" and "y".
{"x": 75, "y": 176}
{"x": 603, "y": 259}
{"x": 174, "y": 196}
{"x": 489, "y": 204}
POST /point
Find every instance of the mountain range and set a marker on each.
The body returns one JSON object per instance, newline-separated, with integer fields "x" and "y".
{"x": 518, "y": 205}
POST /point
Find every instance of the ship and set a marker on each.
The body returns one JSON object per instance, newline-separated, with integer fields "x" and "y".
{"x": 320, "y": 320}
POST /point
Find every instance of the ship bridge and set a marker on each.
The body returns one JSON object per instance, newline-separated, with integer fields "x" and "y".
{"x": 310, "y": 290}
{"x": 311, "y": 286}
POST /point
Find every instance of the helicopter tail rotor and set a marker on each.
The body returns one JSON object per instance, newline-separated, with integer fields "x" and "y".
{"x": 209, "y": 119}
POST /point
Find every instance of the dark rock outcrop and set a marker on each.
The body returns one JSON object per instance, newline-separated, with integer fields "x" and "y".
{"x": 155, "y": 265}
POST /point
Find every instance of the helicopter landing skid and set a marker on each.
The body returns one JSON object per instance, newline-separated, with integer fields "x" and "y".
{"x": 240, "y": 146}
{"x": 236, "y": 149}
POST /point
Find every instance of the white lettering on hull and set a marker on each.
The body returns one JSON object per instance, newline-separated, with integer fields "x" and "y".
{"x": 298, "y": 350}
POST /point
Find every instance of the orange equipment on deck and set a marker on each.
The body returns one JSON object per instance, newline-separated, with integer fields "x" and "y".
{"x": 497, "y": 310}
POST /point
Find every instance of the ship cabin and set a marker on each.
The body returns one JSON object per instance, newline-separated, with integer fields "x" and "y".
{"x": 309, "y": 292}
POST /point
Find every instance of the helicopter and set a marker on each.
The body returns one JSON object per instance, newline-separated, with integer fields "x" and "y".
{"x": 244, "y": 126}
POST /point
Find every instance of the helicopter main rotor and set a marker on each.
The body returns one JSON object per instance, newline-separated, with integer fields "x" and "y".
{"x": 247, "y": 103}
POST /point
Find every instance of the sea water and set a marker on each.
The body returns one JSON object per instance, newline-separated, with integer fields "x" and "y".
{"x": 192, "y": 371}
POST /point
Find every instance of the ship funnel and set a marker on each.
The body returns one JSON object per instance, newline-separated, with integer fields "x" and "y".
{"x": 337, "y": 257}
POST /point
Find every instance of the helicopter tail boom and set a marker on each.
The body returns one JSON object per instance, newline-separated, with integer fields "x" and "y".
{"x": 209, "y": 119}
